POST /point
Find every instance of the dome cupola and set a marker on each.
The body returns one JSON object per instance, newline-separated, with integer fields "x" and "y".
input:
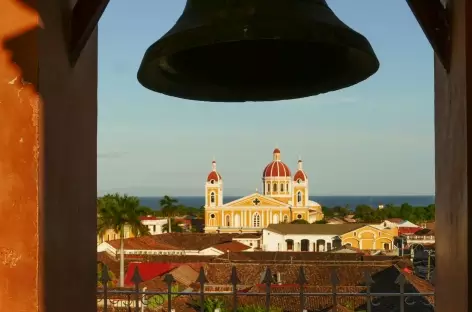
{"x": 276, "y": 168}
{"x": 214, "y": 176}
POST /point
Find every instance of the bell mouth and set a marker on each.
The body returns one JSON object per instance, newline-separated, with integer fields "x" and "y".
{"x": 256, "y": 70}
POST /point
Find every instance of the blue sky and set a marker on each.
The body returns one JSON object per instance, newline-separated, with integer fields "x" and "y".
{"x": 375, "y": 138}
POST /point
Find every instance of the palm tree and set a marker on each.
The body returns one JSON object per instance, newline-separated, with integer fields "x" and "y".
{"x": 174, "y": 227}
{"x": 169, "y": 208}
{"x": 115, "y": 212}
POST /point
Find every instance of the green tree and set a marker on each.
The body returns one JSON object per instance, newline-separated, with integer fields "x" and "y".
{"x": 320, "y": 222}
{"x": 300, "y": 221}
{"x": 175, "y": 227}
{"x": 169, "y": 208}
{"x": 116, "y": 211}
{"x": 406, "y": 211}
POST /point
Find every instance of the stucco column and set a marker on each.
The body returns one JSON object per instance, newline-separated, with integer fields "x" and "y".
{"x": 48, "y": 128}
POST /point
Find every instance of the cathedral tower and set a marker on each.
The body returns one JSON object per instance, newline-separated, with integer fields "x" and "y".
{"x": 300, "y": 187}
{"x": 214, "y": 188}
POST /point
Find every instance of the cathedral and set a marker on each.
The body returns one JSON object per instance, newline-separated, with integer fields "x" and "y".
{"x": 285, "y": 198}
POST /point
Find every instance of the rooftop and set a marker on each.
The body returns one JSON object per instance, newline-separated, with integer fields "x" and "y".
{"x": 320, "y": 229}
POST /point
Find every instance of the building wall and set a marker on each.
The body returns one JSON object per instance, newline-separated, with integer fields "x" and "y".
{"x": 48, "y": 161}
{"x": 273, "y": 241}
{"x": 370, "y": 238}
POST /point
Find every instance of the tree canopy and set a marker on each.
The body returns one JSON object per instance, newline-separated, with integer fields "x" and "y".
{"x": 368, "y": 214}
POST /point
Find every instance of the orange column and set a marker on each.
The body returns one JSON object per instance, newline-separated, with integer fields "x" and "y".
{"x": 47, "y": 163}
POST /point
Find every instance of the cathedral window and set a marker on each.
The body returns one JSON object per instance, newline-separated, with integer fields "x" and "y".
{"x": 212, "y": 216}
{"x": 299, "y": 197}
{"x": 275, "y": 187}
{"x": 285, "y": 218}
{"x": 282, "y": 187}
{"x": 212, "y": 181}
{"x": 287, "y": 187}
{"x": 299, "y": 216}
{"x": 256, "y": 220}
{"x": 228, "y": 221}
{"x": 268, "y": 188}
{"x": 212, "y": 197}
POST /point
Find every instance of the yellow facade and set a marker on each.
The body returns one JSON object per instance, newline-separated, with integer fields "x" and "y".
{"x": 109, "y": 235}
{"x": 282, "y": 200}
{"x": 370, "y": 238}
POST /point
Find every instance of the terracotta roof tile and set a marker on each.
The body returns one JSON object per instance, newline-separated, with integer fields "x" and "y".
{"x": 142, "y": 243}
{"x": 233, "y": 246}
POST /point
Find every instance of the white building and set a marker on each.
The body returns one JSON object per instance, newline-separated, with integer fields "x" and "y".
{"x": 154, "y": 224}
{"x": 305, "y": 237}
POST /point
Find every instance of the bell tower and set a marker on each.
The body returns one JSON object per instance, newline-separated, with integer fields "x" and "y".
{"x": 300, "y": 187}
{"x": 214, "y": 188}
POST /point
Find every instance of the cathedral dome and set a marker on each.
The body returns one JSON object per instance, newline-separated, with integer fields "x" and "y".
{"x": 276, "y": 168}
{"x": 214, "y": 176}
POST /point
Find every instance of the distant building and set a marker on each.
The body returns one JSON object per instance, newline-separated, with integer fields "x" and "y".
{"x": 284, "y": 198}
{"x": 175, "y": 244}
{"x": 324, "y": 237}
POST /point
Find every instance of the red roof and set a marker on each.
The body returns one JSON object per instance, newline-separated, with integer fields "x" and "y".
{"x": 214, "y": 176}
{"x": 233, "y": 246}
{"x": 276, "y": 169}
{"x": 408, "y": 230}
{"x": 276, "y": 151}
{"x": 151, "y": 270}
{"x": 300, "y": 174}
{"x": 148, "y": 270}
{"x": 149, "y": 218}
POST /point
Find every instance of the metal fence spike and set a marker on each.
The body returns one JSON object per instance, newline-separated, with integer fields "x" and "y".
{"x": 202, "y": 277}
{"x": 401, "y": 280}
{"x": 267, "y": 276}
{"x": 234, "y": 280}
{"x": 368, "y": 278}
{"x": 334, "y": 278}
{"x": 302, "y": 280}
{"x": 105, "y": 278}
{"x": 169, "y": 279}
{"x": 136, "y": 279}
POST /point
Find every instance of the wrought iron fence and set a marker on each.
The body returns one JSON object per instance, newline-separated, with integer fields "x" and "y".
{"x": 138, "y": 299}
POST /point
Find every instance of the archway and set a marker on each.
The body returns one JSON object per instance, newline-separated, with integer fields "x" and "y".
{"x": 305, "y": 245}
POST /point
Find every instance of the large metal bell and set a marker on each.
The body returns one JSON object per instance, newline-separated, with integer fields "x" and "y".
{"x": 256, "y": 50}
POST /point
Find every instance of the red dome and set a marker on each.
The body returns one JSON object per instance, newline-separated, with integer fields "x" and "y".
{"x": 276, "y": 151}
{"x": 214, "y": 176}
{"x": 300, "y": 174}
{"x": 276, "y": 169}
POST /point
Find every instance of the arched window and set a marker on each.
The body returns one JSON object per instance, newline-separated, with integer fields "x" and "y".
{"x": 287, "y": 188}
{"x": 281, "y": 187}
{"x": 275, "y": 187}
{"x": 299, "y": 197}
{"x": 228, "y": 220}
{"x": 256, "y": 220}
{"x": 268, "y": 188}
{"x": 212, "y": 197}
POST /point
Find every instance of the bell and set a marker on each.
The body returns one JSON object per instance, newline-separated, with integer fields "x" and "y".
{"x": 256, "y": 50}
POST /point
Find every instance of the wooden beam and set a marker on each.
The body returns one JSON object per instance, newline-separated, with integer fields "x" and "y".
{"x": 85, "y": 17}
{"x": 433, "y": 18}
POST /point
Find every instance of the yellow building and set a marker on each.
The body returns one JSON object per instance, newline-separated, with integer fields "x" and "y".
{"x": 370, "y": 237}
{"x": 110, "y": 234}
{"x": 284, "y": 198}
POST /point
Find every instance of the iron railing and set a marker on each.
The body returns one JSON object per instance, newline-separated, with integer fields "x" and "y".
{"x": 138, "y": 299}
